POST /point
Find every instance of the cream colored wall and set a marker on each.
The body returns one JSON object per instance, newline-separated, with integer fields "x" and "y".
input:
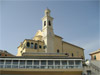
{"x": 19, "y": 51}
{"x": 58, "y": 44}
{"x": 97, "y": 56}
{"x": 77, "y": 52}
{"x": 67, "y": 48}
{"x": 22, "y": 49}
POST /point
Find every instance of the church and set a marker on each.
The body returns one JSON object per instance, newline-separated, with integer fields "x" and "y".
{"x": 45, "y": 41}
{"x": 45, "y": 54}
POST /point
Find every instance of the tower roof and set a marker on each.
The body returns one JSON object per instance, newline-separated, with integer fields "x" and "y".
{"x": 47, "y": 10}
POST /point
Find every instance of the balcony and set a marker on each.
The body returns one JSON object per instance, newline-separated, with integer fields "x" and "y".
{"x": 40, "y": 63}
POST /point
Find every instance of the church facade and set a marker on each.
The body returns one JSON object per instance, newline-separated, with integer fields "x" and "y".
{"x": 45, "y": 41}
{"x": 45, "y": 54}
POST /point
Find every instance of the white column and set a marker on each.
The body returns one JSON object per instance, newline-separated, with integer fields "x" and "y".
{"x": 68, "y": 63}
{"x": 46, "y": 64}
{"x": 81, "y": 64}
{"x": 74, "y": 63}
{"x": 25, "y": 63}
{"x": 39, "y": 63}
{"x": 18, "y": 63}
{"x": 32, "y": 63}
{"x": 11, "y": 63}
{"x": 54, "y": 63}
{"x": 4, "y": 63}
{"x": 60, "y": 63}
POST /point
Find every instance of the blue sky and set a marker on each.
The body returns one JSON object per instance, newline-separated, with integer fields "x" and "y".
{"x": 77, "y": 21}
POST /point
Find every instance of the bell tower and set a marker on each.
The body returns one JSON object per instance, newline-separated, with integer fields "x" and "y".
{"x": 47, "y": 30}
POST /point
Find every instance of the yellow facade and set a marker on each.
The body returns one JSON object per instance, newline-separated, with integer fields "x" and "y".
{"x": 95, "y": 55}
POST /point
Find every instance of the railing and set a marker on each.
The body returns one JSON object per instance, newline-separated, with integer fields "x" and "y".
{"x": 95, "y": 67}
{"x": 40, "y": 67}
{"x": 41, "y": 63}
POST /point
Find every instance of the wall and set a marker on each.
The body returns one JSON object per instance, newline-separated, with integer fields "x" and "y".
{"x": 97, "y": 56}
{"x": 40, "y": 72}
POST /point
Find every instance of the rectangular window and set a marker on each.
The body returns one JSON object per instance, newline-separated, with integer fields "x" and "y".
{"x": 1, "y": 61}
{"x": 22, "y": 62}
{"x": 50, "y": 62}
{"x": 44, "y": 23}
{"x": 88, "y": 72}
{"x": 36, "y": 46}
{"x": 7, "y": 66}
{"x": 57, "y": 62}
{"x": 64, "y": 62}
{"x": 36, "y": 62}
{"x": 71, "y": 62}
{"x": 43, "y": 62}
{"x": 77, "y": 62}
{"x": 8, "y": 61}
{"x": 15, "y": 62}
{"x": 29, "y": 62}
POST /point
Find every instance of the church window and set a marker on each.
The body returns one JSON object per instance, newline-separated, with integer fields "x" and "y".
{"x": 36, "y": 46}
{"x": 31, "y": 45}
{"x": 44, "y": 23}
{"x": 58, "y": 51}
{"x": 40, "y": 46}
{"x": 44, "y": 47}
{"x": 49, "y": 23}
{"x": 28, "y": 44}
{"x": 72, "y": 54}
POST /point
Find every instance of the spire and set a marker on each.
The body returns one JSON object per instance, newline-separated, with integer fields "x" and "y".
{"x": 47, "y": 12}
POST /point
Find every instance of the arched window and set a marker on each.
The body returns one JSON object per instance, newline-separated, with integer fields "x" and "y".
{"x": 44, "y": 47}
{"x": 49, "y": 23}
{"x": 40, "y": 46}
{"x": 28, "y": 44}
{"x": 36, "y": 46}
{"x": 72, "y": 54}
{"x": 31, "y": 45}
{"x": 44, "y": 23}
{"x": 57, "y": 50}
